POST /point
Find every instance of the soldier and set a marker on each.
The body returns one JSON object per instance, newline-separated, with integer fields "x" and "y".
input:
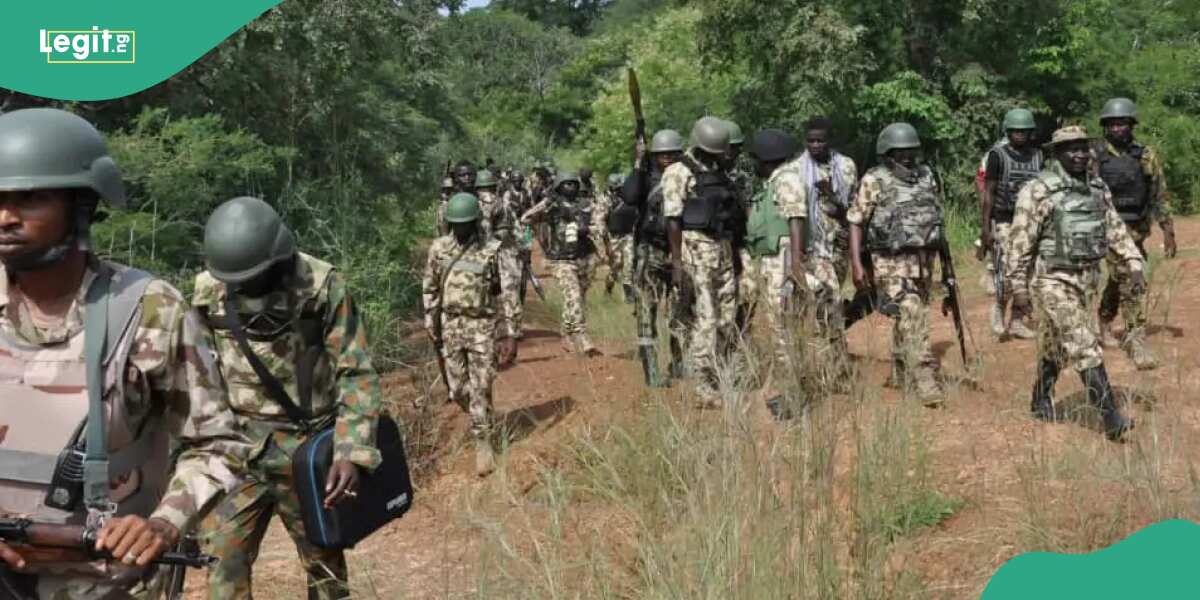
{"x": 464, "y": 177}
{"x": 1009, "y": 165}
{"x": 447, "y": 191}
{"x": 153, "y": 375}
{"x": 587, "y": 188}
{"x": 289, "y": 316}
{"x": 464, "y": 317}
{"x": 570, "y": 225}
{"x": 651, "y": 266}
{"x": 703, "y": 214}
{"x": 897, "y": 216}
{"x": 1134, "y": 174}
{"x": 498, "y": 221}
{"x": 741, "y": 172}
{"x": 1064, "y": 225}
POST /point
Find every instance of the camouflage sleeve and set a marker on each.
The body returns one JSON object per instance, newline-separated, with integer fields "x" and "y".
{"x": 1120, "y": 243}
{"x": 357, "y": 382}
{"x": 676, "y": 183}
{"x": 1160, "y": 207}
{"x": 1028, "y": 218}
{"x": 535, "y": 212}
{"x": 863, "y": 204}
{"x": 791, "y": 195}
{"x": 431, "y": 287}
{"x": 510, "y": 296}
{"x": 211, "y": 449}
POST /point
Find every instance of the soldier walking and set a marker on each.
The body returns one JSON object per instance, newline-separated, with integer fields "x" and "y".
{"x": 568, "y": 245}
{"x": 703, "y": 213}
{"x": 498, "y": 220}
{"x": 465, "y": 314}
{"x": 1134, "y": 173}
{"x": 620, "y": 218}
{"x": 897, "y": 216}
{"x": 1063, "y": 227}
{"x": 1009, "y": 165}
{"x": 285, "y": 325}
{"x": 446, "y": 191}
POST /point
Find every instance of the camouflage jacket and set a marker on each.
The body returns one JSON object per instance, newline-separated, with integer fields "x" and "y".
{"x": 914, "y": 265}
{"x": 171, "y": 372}
{"x": 499, "y": 220}
{"x": 345, "y": 386}
{"x": 1033, "y": 219}
{"x": 467, "y": 282}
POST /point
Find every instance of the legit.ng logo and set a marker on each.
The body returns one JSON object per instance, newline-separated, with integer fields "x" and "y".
{"x": 88, "y": 46}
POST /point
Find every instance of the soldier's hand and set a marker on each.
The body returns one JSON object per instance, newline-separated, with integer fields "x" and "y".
{"x": 136, "y": 540}
{"x": 1021, "y": 304}
{"x": 825, "y": 186}
{"x": 11, "y": 557}
{"x": 1169, "y": 247}
{"x": 1137, "y": 283}
{"x": 862, "y": 281}
{"x": 342, "y": 482}
{"x": 506, "y": 348}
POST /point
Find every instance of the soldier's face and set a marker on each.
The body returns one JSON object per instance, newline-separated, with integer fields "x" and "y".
{"x": 268, "y": 281}
{"x": 735, "y": 150}
{"x": 463, "y": 232}
{"x": 1074, "y": 156}
{"x": 905, "y": 157}
{"x": 33, "y": 220}
{"x": 569, "y": 189}
{"x": 1118, "y": 131}
{"x": 665, "y": 159}
{"x": 817, "y": 144}
{"x": 465, "y": 179}
{"x": 1020, "y": 138}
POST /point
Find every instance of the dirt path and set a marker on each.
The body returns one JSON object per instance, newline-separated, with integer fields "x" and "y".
{"x": 980, "y": 444}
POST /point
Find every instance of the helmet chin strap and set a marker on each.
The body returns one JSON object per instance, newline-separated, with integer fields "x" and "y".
{"x": 77, "y": 236}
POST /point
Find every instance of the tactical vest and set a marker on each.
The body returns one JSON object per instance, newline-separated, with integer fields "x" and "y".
{"x": 469, "y": 284}
{"x": 712, "y": 205}
{"x": 622, "y": 216}
{"x": 908, "y": 217}
{"x": 766, "y": 226}
{"x": 653, "y": 226}
{"x": 1129, "y": 184}
{"x": 44, "y": 406}
{"x": 566, "y": 233}
{"x": 1016, "y": 173}
{"x": 1078, "y": 234}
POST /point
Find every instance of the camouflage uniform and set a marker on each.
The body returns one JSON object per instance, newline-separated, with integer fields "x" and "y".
{"x": 574, "y": 275}
{"x": 708, "y": 263}
{"x": 499, "y": 221}
{"x": 1062, "y": 297}
{"x": 785, "y": 190}
{"x": 742, "y": 177}
{"x": 171, "y": 383}
{"x": 619, "y": 248}
{"x": 459, "y": 292}
{"x": 313, "y": 307}
{"x": 832, "y": 211}
{"x": 1118, "y": 290}
{"x": 905, "y": 281}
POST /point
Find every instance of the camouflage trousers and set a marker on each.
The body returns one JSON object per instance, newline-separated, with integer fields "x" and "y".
{"x": 64, "y": 587}
{"x": 906, "y": 302}
{"x": 1068, "y": 333}
{"x": 708, "y": 264}
{"x": 747, "y": 292}
{"x": 1118, "y": 290}
{"x": 620, "y": 260}
{"x": 510, "y": 283}
{"x": 234, "y": 530}
{"x": 820, "y": 311}
{"x": 839, "y": 248}
{"x": 653, "y": 284}
{"x": 468, "y": 346}
{"x": 574, "y": 277}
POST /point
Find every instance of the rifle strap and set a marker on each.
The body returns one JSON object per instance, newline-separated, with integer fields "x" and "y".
{"x": 95, "y": 331}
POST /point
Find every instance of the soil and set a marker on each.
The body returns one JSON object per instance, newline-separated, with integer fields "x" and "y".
{"x": 979, "y": 442}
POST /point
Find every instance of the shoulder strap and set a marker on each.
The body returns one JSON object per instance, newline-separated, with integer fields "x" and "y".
{"x": 124, "y": 298}
{"x": 95, "y": 460}
{"x": 269, "y": 381}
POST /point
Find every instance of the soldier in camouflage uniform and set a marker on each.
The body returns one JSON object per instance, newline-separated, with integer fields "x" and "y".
{"x": 570, "y": 224}
{"x": 298, "y": 318}
{"x": 447, "y": 191}
{"x": 1134, "y": 173}
{"x": 620, "y": 218}
{"x": 464, "y": 315}
{"x": 1065, "y": 225}
{"x": 741, "y": 172}
{"x": 897, "y": 215}
{"x": 464, "y": 177}
{"x": 703, "y": 215}
{"x": 651, "y": 263}
{"x": 163, "y": 392}
{"x": 498, "y": 221}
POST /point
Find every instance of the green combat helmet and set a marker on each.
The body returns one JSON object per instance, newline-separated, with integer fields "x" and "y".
{"x": 48, "y": 148}
{"x": 565, "y": 176}
{"x": 1019, "y": 118}
{"x": 447, "y": 184}
{"x": 735, "y": 133}
{"x": 711, "y": 135}
{"x": 895, "y": 137}
{"x": 666, "y": 140}
{"x": 462, "y": 208}
{"x": 485, "y": 179}
{"x": 243, "y": 238}
{"x": 1119, "y": 108}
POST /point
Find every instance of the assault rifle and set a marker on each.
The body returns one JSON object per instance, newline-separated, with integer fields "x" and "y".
{"x": 997, "y": 266}
{"x": 639, "y": 135}
{"x": 528, "y": 277}
{"x": 951, "y": 305}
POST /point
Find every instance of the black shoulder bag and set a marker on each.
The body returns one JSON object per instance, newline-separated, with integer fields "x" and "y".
{"x": 383, "y": 495}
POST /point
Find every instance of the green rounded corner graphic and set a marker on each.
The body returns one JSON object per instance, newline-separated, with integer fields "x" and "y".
{"x": 77, "y": 50}
{"x": 1157, "y": 562}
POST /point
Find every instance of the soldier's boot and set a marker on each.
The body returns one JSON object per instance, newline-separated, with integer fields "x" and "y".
{"x": 1138, "y": 351}
{"x": 678, "y": 370}
{"x": 485, "y": 456}
{"x": 929, "y": 391}
{"x": 649, "y": 356}
{"x": 585, "y": 346}
{"x": 997, "y": 319}
{"x": 1107, "y": 339}
{"x": 629, "y": 293}
{"x": 1019, "y": 327}
{"x": 1100, "y": 394}
{"x": 1042, "y": 405}
{"x": 609, "y": 283}
{"x": 568, "y": 343}
{"x": 987, "y": 282}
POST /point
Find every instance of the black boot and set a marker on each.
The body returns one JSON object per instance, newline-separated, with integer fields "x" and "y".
{"x": 857, "y": 308}
{"x": 677, "y": 368}
{"x": 1042, "y": 405}
{"x": 1100, "y": 395}
{"x": 649, "y": 358}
